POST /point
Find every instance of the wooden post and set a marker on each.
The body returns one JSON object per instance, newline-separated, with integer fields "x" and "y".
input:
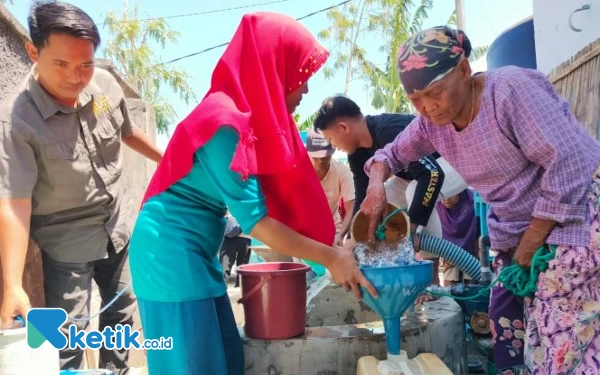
{"x": 33, "y": 276}
{"x": 460, "y": 14}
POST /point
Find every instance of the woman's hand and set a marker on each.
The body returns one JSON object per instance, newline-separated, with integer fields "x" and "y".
{"x": 534, "y": 237}
{"x": 527, "y": 248}
{"x": 525, "y": 252}
{"x": 344, "y": 271}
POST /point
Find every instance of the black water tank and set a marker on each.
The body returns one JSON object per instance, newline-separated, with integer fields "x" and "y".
{"x": 515, "y": 46}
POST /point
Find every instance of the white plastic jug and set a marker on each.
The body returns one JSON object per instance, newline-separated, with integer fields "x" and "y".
{"x": 423, "y": 364}
{"x": 17, "y": 358}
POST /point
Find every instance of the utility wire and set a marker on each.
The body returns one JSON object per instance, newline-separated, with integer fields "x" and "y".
{"x": 323, "y": 10}
{"x": 202, "y": 13}
{"x": 226, "y": 43}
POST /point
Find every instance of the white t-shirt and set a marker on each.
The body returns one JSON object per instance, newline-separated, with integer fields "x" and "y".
{"x": 338, "y": 184}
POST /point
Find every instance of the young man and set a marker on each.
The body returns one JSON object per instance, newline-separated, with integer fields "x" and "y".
{"x": 60, "y": 178}
{"x": 422, "y": 184}
{"x": 336, "y": 180}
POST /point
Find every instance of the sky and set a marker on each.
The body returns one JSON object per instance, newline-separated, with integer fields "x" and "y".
{"x": 485, "y": 20}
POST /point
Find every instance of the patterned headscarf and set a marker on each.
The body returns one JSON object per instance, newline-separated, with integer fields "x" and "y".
{"x": 430, "y": 55}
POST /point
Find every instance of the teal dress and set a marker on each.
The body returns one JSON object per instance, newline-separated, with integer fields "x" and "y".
{"x": 176, "y": 273}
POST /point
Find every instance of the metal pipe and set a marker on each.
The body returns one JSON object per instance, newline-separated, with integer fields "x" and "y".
{"x": 582, "y": 8}
{"x": 484, "y": 259}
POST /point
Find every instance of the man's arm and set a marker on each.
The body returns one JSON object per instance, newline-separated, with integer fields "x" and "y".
{"x": 15, "y": 214}
{"x": 430, "y": 178}
{"x": 140, "y": 142}
{"x": 18, "y": 176}
{"x": 348, "y": 206}
{"x": 136, "y": 139}
{"x": 347, "y": 192}
{"x": 15, "y": 217}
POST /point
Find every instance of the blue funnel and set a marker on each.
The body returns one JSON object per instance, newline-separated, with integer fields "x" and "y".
{"x": 398, "y": 287}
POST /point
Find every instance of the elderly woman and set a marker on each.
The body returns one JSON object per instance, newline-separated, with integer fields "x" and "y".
{"x": 514, "y": 140}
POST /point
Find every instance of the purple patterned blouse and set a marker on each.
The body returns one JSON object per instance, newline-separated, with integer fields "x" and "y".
{"x": 524, "y": 153}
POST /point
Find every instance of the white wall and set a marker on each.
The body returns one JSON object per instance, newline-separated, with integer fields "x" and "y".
{"x": 555, "y": 42}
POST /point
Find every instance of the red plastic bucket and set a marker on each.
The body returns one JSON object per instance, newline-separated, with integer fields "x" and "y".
{"x": 274, "y": 298}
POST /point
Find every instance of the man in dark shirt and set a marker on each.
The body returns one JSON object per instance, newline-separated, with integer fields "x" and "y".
{"x": 341, "y": 121}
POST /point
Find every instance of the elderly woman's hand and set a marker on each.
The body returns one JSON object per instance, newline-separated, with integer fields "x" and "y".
{"x": 534, "y": 237}
{"x": 374, "y": 205}
{"x": 525, "y": 252}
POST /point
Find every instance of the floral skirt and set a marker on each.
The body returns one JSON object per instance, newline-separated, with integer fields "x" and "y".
{"x": 558, "y": 332}
{"x": 507, "y": 322}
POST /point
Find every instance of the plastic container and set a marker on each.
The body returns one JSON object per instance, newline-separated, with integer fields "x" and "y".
{"x": 515, "y": 46}
{"x": 274, "y": 298}
{"x": 265, "y": 254}
{"x": 423, "y": 364}
{"x": 397, "y": 227}
{"x": 17, "y": 358}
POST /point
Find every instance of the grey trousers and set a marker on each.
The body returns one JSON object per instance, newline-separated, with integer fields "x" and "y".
{"x": 69, "y": 286}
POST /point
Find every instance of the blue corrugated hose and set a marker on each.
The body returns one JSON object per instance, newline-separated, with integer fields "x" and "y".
{"x": 452, "y": 253}
{"x": 440, "y": 247}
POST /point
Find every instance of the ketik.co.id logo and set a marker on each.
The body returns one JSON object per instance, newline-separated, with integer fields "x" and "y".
{"x": 44, "y": 325}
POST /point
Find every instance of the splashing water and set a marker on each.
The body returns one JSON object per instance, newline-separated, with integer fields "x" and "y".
{"x": 316, "y": 288}
{"x": 385, "y": 255}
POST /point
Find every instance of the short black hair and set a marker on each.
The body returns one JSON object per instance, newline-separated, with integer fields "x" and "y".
{"x": 49, "y": 17}
{"x": 335, "y": 107}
